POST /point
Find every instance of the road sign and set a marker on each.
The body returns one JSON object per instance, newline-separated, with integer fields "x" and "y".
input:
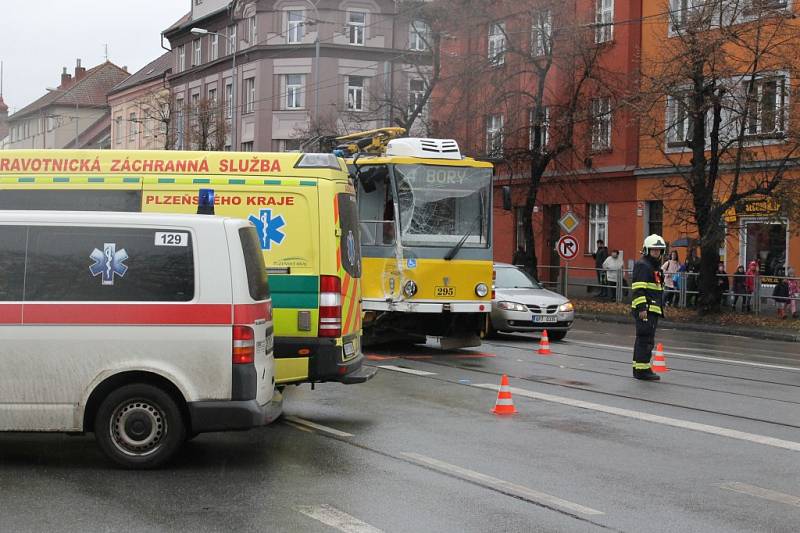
{"x": 569, "y": 222}
{"x": 567, "y": 247}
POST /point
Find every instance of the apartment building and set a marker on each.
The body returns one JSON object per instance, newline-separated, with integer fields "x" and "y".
{"x": 301, "y": 68}
{"x": 141, "y": 108}
{"x": 75, "y": 114}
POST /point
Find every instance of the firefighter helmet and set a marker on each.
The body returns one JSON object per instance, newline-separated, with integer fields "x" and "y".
{"x": 653, "y": 242}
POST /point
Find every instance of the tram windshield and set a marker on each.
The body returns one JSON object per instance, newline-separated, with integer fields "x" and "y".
{"x": 443, "y": 205}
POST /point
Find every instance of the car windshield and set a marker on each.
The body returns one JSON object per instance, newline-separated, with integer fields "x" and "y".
{"x": 439, "y": 205}
{"x": 514, "y": 278}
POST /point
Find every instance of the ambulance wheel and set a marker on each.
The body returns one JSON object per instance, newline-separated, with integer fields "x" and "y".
{"x": 139, "y": 426}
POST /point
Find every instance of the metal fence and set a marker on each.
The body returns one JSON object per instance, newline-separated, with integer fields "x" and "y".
{"x": 580, "y": 283}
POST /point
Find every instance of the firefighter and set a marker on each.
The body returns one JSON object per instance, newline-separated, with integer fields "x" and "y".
{"x": 648, "y": 304}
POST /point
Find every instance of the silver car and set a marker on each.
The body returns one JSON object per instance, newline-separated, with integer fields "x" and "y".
{"x": 523, "y": 304}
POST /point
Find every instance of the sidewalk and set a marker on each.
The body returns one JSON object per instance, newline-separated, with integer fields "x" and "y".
{"x": 727, "y": 323}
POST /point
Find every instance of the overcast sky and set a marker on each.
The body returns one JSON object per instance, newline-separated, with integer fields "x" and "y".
{"x": 39, "y": 37}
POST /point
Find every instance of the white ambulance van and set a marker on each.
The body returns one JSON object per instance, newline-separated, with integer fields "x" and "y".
{"x": 144, "y": 329}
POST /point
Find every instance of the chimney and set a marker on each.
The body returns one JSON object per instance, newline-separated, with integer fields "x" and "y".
{"x": 80, "y": 72}
{"x": 66, "y": 78}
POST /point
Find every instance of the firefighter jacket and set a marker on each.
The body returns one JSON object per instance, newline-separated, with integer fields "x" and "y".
{"x": 648, "y": 286}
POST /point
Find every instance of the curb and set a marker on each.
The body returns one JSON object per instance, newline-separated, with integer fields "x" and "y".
{"x": 704, "y": 328}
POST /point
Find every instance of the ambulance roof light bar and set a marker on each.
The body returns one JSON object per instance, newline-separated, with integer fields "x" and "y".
{"x": 205, "y": 202}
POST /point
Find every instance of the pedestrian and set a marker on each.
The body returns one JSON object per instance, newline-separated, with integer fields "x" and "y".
{"x": 692, "y": 278}
{"x": 750, "y": 283}
{"x": 600, "y": 255}
{"x": 647, "y": 283}
{"x": 794, "y": 291}
{"x": 739, "y": 287}
{"x": 781, "y": 296}
{"x": 671, "y": 276}
{"x": 723, "y": 284}
{"x": 612, "y": 267}
{"x": 519, "y": 257}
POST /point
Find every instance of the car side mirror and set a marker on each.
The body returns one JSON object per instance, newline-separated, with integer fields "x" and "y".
{"x": 506, "y": 198}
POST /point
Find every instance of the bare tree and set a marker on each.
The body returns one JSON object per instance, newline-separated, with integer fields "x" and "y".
{"x": 208, "y": 127}
{"x": 538, "y": 71}
{"x": 721, "y": 81}
{"x": 159, "y": 108}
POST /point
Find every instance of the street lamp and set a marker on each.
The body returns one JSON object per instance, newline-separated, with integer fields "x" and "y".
{"x": 231, "y": 46}
{"x": 77, "y": 125}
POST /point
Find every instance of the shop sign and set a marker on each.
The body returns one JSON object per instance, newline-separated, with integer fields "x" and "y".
{"x": 765, "y": 207}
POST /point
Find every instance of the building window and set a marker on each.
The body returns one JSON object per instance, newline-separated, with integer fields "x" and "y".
{"x": 598, "y": 225}
{"x": 213, "y": 49}
{"x": 541, "y": 32}
{"x": 356, "y": 25}
{"x": 494, "y": 135}
{"x": 766, "y": 116}
{"x": 212, "y": 98}
{"x": 295, "y": 27}
{"x": 497, "y": 43}
{"x": 233, "y": 44}
{"x": 249, "y": 95}
{"x": 294, "y": 91}
{"x": 247, "y": 146}
{"x": 287, "y": 145}
{"x": 132, "y": 129}
{"x": 519, "y": 222}
{"x": 196, "y": 53}
{"x": 228, "y": 100}
{"x": 679, "y": 123}
{"x": 416, "y": 95}
{"x": 355, "y": 93}
{"x": 418, "y": 37}
{"x": 118, "y": 128}
{"x": 181, "y": 58}
{"x": 252, "y": 30}
{"x": 655, "y": 217}
{"x": 544, "y": 131}
{"x": 601, "y": 124}
{"x": 180, "y": 124}
{"x": 604, "y": 21}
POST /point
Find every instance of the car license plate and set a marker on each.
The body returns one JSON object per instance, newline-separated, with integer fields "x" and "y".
{"x": 546, "y": 319}
{"x": 445, "y": 292}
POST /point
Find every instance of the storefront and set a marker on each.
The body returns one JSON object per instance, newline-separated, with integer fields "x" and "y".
{"x": 764, "y": 236}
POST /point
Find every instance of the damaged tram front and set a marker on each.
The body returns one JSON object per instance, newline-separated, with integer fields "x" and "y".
{"x": 426, "y": 239}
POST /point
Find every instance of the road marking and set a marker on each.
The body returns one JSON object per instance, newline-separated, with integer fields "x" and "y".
{"x": 298, "y": 426}
{"x": 657, "y": 419}
{"x": 331, "y": 516}
{"x": 318, "y": 427}
{"x": 407, "y": 370}
{"x": 690, "y": 356}
{"x": 764, "y": 494}
{"x": 505, "y": 487}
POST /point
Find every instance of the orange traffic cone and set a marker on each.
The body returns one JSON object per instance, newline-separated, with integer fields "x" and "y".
{"x": 544, "y": 344}
{"x": 504, "y": 404}
{"x": 659, "y": 363}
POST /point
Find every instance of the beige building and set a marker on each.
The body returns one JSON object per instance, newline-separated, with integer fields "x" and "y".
{"x": 73, "y": 115}
{"x": 302, "y": 67}
{"x": 141, "y": 110}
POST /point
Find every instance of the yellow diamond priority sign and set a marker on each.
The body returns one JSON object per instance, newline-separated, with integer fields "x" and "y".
{"x": 569, "y": 222}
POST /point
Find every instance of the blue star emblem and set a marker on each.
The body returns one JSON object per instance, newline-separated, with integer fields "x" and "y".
{"x": 269, "y": 228}
{"x": 109, "y": 262}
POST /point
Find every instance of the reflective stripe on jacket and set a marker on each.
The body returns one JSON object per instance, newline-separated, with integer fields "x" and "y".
{"x": 647, "y": 284}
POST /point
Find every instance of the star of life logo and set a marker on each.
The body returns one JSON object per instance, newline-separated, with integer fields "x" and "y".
{"x": 269, "y": 228}
{"x": 108, "y": 263}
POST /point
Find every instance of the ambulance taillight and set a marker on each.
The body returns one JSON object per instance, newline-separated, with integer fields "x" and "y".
{"x": 330, "y": 306}
{"x": 244, "y": 345}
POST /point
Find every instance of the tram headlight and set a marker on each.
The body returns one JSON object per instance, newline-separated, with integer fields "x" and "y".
{"x": 410, "y": 289}
{"x": 481, "y": 289}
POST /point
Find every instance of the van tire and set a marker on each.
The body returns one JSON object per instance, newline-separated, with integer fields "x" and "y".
{"x": 134, "y": 411}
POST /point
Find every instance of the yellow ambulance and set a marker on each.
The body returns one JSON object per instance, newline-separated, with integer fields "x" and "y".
{"x": 303, "y": 206}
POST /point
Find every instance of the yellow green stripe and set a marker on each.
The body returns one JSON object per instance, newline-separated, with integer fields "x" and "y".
{"x": 640, "y": 300}
{"x": 639, "y": 285}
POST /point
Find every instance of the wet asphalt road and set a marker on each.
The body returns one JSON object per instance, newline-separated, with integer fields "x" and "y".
{"x": 713, "y": 447}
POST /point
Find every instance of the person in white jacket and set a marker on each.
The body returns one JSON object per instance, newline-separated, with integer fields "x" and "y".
{"x": 612, "y": 267}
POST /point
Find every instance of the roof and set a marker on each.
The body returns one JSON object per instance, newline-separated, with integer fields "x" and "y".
{"x": 3, "y": 106}
{"x": 94, "y": 135}
{"x": 180, "y": 22}
{"x": 151, "y": 71}
{"x": 91, "y": 91}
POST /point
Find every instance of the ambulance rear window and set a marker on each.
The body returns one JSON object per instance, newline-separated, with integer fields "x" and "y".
{"x": 254, "y": 264}
{"x": 350, "y": 244}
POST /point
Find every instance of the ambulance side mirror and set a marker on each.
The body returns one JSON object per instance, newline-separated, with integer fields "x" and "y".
{"x": 506, "y": 198}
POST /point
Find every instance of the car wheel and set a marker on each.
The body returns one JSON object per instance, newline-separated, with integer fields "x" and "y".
{"x": 557, "y": 335}
{"x": 139, "y": 426}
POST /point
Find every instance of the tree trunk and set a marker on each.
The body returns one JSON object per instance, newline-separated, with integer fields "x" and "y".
{"x": 531, "y": 261}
